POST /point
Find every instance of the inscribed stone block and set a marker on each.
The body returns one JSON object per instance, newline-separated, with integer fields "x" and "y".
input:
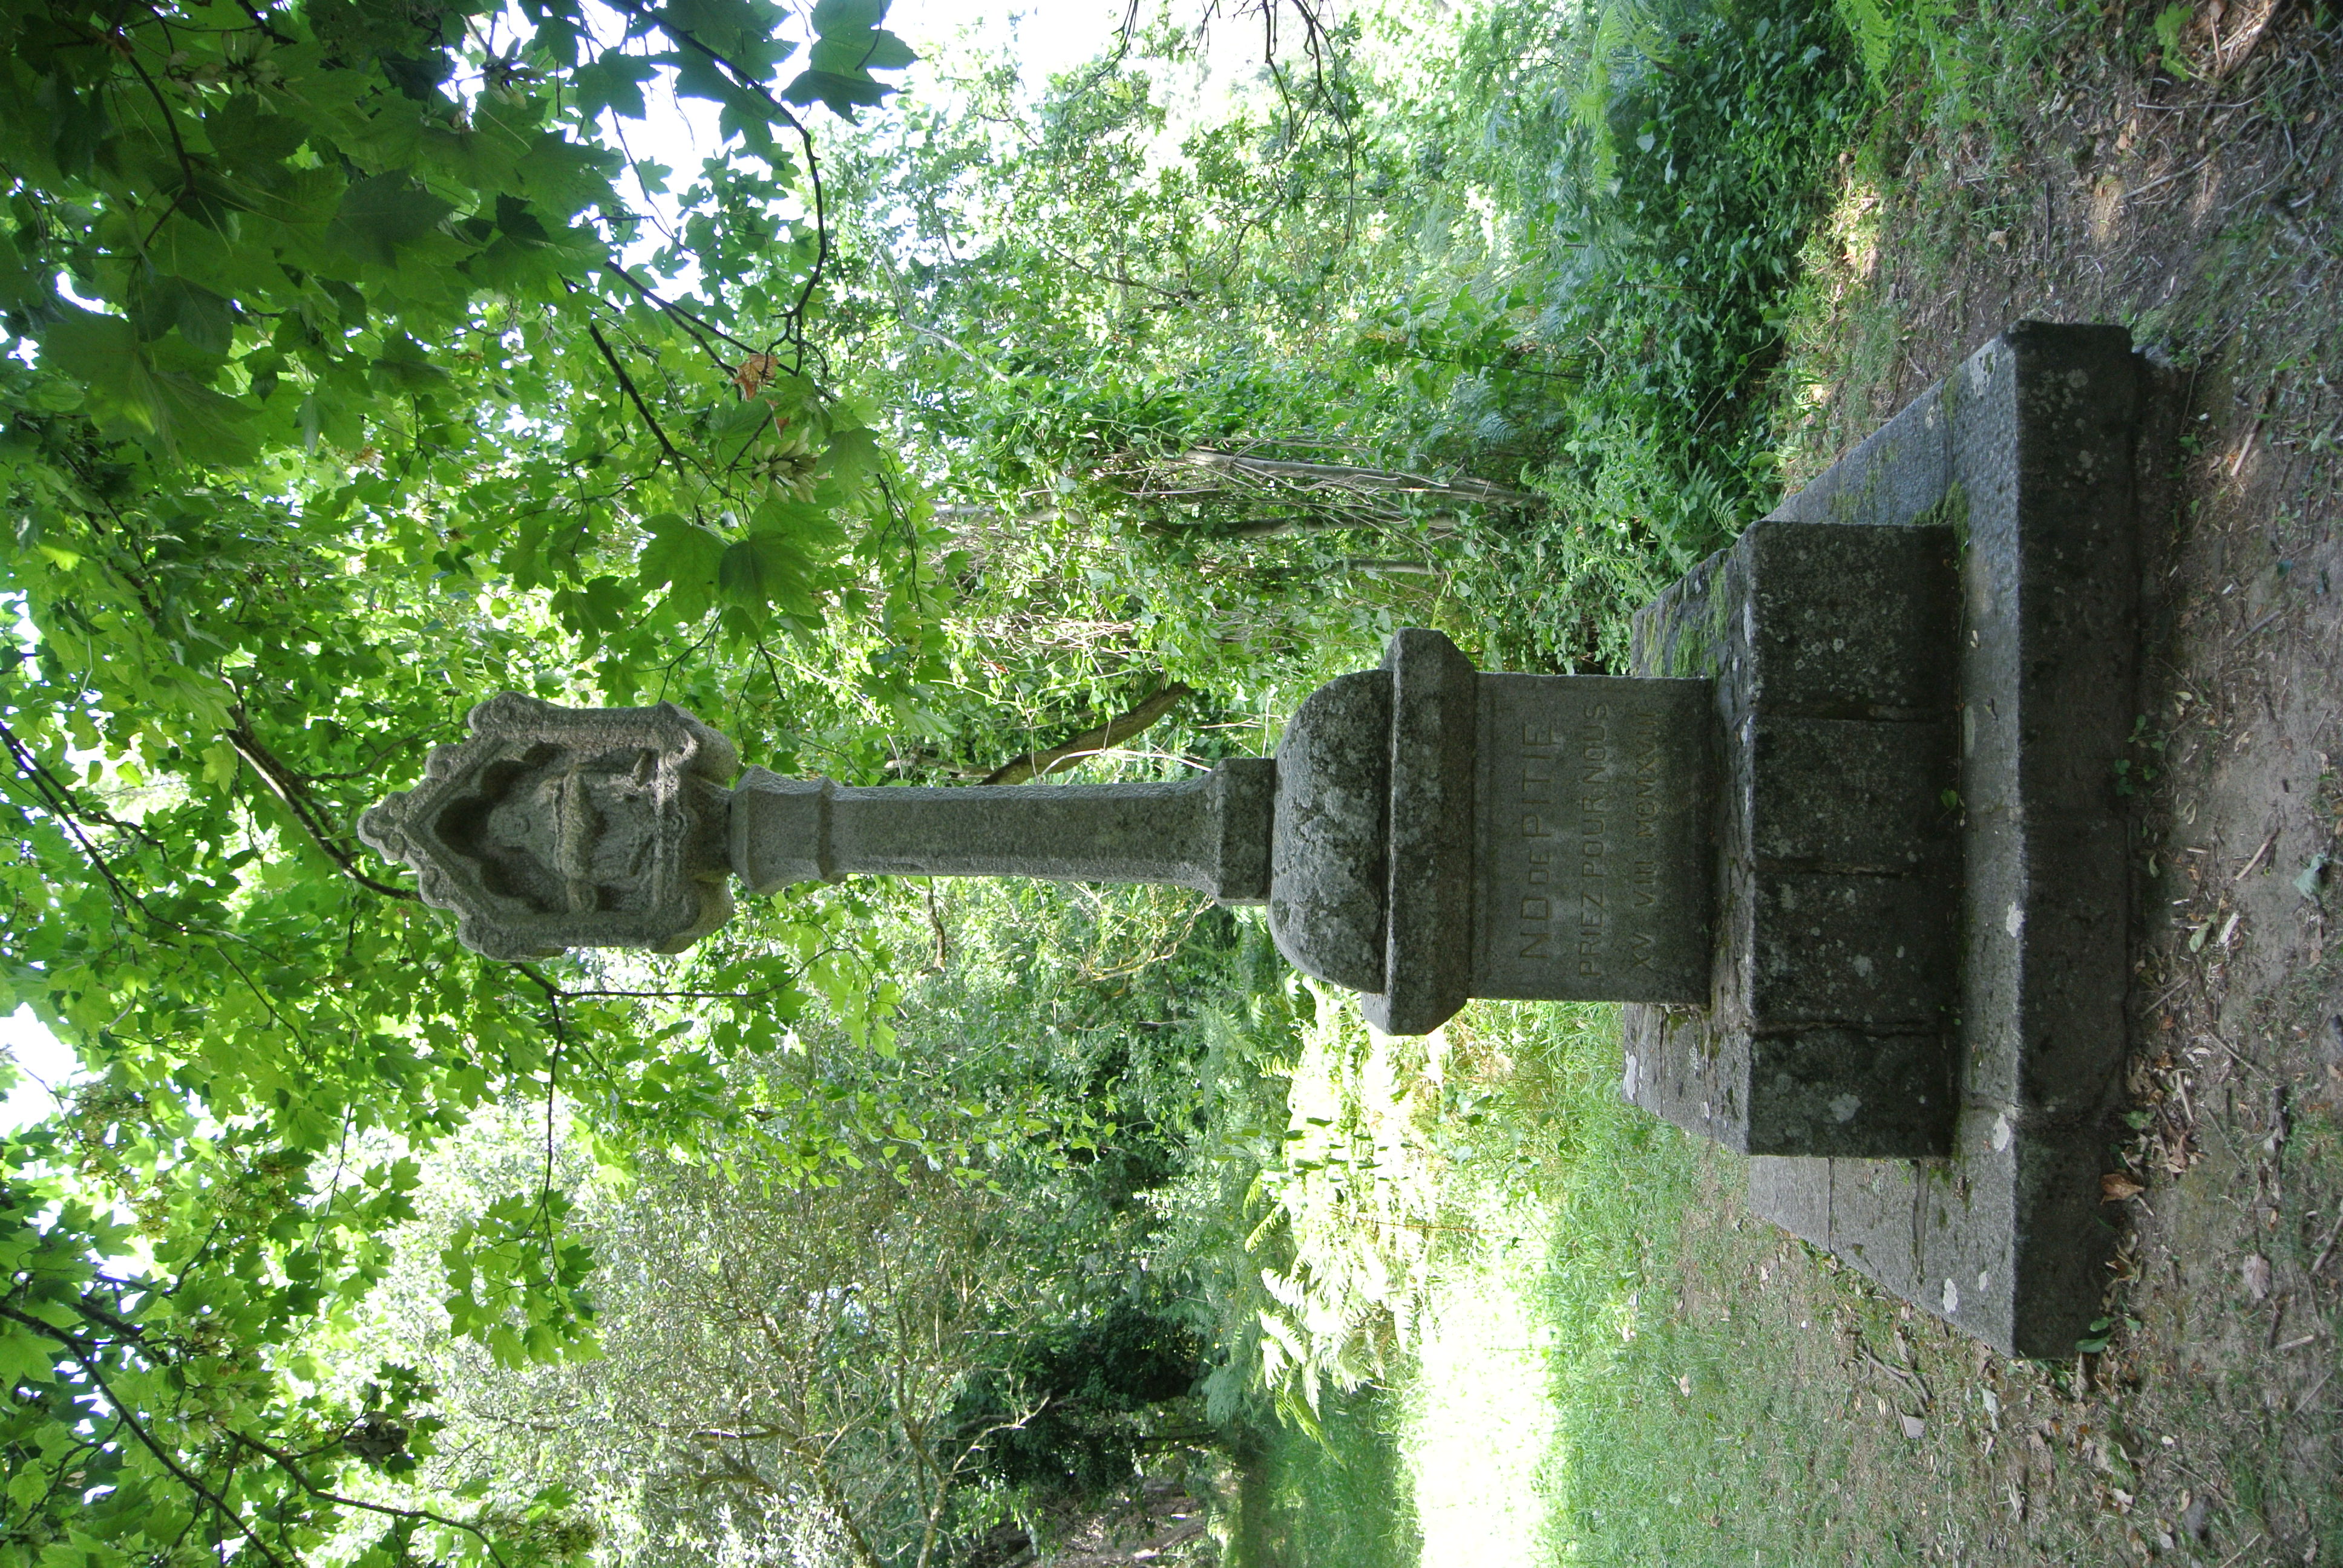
{"x": 1594, "y": 858}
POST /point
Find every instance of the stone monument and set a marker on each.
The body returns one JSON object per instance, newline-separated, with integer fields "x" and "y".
{"x": 1584, "y": 873}
{"x": 1846, "y": 841}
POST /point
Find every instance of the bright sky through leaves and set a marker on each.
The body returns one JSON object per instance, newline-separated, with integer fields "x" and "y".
{"x": 41, "y": 1059}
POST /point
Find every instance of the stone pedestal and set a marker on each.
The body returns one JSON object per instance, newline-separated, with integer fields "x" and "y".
{"x": 1830, "y": 653}
{"x": 1918, "y": 1021}
{"x": 1443, "y": 834}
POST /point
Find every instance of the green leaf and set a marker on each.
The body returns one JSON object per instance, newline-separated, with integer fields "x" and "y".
{"x": 831, "y": 17}
{"x": 841, "y": 94}
{"x": 403, "y": 364}
{"x": 101, "y": 352}
{"x": 686, "y": 557}
{"x": 889, "y": 53}
{"x": 24, "y": 1357}
{"x": 204, "y": 319}
{"x": 221, "y": 761}
{"x": 854, "y": 455}
{"x": 563, "y": 178}
{"x": 246, "y": 137}
{"x": 613, "y": 81}
{"x": 382, "y": 214}
{"x": 201, "y": 425}
{"x": 326, "y": 419}
{"x": 856, "y": 54}
{"x": 104, "y": 354}
{"x": 739, "y": 30}
{"x": 2307, "y": 882}
{"x": 680, "y": 552}
{"x": 765, "y": 570}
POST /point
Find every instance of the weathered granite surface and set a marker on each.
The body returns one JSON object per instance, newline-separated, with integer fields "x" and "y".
{"x": 2027, "y": 454}
{"x": 1435, "y": 728}
{"x": 1210, "y": 832}
{"x": 1330, "y": 875}
{"x": 1830, "y": 650}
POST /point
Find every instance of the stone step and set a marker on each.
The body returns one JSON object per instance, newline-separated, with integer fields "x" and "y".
{"x": 1927, "y": 1063}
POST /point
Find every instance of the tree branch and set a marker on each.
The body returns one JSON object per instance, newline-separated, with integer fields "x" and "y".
{"x": 87, "y": 1358}
{"x": 691, "y": 323}
{"x": 1341, "y": 477}
{"x": 627, "y": 384}
{"x": 1142, "y": 716}
{"x": 286, "y": 1463}
{"x": 796, "y": 312}
{"x": 61, "y": 804}
{"x": 290, "y": 787}
{"x": 129, "y": 51}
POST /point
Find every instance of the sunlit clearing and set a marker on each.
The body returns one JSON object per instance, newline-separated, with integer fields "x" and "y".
{"x": 1854, "y": 229}
{"x": 1481, "y": 1423}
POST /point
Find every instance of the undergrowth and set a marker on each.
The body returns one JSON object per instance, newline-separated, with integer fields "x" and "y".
{"x": 1658, "y": 176}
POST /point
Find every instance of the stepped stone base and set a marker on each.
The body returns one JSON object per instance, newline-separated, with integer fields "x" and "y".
{"x": 1939, "y": 636}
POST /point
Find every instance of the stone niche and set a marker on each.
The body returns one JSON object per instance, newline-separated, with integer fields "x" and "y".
{"x": 557, "y": 828}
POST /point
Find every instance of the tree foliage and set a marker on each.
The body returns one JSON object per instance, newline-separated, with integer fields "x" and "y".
{"x": 357, "y": 371}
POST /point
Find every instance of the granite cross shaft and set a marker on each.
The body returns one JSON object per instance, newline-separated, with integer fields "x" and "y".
{"x": 1425, "y": 834}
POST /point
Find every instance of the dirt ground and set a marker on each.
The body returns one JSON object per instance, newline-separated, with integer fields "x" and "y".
{"x": 2203, "y": 212}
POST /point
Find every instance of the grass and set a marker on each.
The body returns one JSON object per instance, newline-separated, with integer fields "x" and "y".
{"x": 1599, "y": 1357}
{"x": 1607, "y": 1361}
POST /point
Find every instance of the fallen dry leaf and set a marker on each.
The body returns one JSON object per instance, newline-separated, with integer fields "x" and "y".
{"x": 2256, "y": 1272}
{"x": 2114, "y": 1187}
